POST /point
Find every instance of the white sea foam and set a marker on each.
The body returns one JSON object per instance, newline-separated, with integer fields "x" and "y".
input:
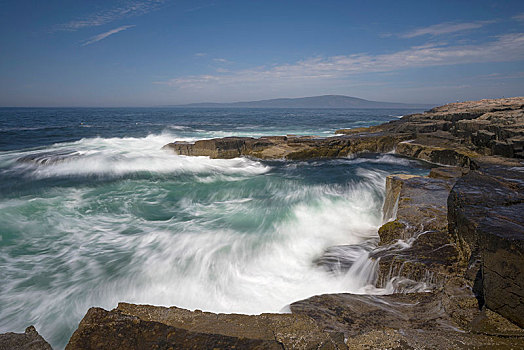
{"x": 94, "y": 250}
{"x": 121, "y": 156}
{"x": 226, "y": 247}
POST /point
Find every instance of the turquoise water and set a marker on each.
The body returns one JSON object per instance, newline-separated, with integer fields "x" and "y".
{"x": 118, "y": 219}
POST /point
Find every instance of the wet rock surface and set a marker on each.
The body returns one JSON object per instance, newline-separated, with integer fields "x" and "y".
{"x": 29, "y": 340}
{"x": 341, "y": 258}
{"x": 132, "y": 326}
{"x": 486, "y": 219}
{"x": 444, "y": 319}
{"x": 289, "y": 147}
{"x": 416, "y": 244}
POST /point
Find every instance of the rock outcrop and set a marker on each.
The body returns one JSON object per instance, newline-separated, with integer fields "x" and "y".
{"x": 455, "y": 134}
{"x": 29, "y": 340}
{"x": 459, "y": 234}
{"x": 490, "y": 127}
{"x": 416, "y": 245}
{"x": 289, "y": 147}
{"x": 486, "y": 219}
{"x": 444, "y": 319}
{"x": 132, "y": 326}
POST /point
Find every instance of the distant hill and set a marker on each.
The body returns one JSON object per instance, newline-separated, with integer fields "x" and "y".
{"x": 326, "y": 101}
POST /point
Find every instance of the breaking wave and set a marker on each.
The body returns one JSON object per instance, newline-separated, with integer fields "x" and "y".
{"x": 234, "y": 235}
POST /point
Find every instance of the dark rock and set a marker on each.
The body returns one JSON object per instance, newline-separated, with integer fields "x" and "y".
{"x": 483, "y": 138}
{"x": 340, "y": 258}
{"x": 502, "y": 148}
{"x": 101, "y": 329}
{"x": 485, "y": 218}
{"x": 144, "y": 327}
{"x": 417, "y": 202}
{"x": 447, "y": 172}
{"x": 288, "y": 147}
{"x": 29, "y": 340}
{"x": 439, "y": 320}
{"x": 429, "y": 258}
{"x": 391, "y": 231}
{"x": 425, "y": 252}
{"x": 438, "y": 155}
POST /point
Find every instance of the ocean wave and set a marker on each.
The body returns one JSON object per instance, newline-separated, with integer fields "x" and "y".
{"x": 121, "y": 156}
{"x": 244, "y": 246}
{"x": 179, "y": 127}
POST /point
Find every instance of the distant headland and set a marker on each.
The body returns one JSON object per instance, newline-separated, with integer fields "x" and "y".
{"x": 324, "y": 101}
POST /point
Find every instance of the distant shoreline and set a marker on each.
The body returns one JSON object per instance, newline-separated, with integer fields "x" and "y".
{"x": 315, "y": 102}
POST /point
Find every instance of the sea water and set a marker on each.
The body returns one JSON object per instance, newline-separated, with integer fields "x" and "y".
{"x": 105, "y": 215}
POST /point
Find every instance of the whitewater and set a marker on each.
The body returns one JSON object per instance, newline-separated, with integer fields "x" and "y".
{"x": 105, "y": 215}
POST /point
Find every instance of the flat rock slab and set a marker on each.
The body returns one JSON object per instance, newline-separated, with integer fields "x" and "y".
{"x": 132, "y": 326}
{"x": 409, "y": 321}
{"x": 289, "y": 147}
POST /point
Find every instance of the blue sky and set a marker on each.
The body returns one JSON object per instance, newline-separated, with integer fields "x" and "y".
{"x": 163, "y": 52}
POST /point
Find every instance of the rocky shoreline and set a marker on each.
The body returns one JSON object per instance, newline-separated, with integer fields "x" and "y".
{"x": 451, "y": 249}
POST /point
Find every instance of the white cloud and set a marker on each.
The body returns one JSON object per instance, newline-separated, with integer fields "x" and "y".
{"x": 102, "y": 36}
{"x": 317, "y": 70}
{"x": 221, "y": 60}
{"x": 444, "y": 28}
{"x": 130, "y": 9}
{"x": 200, "y": 54}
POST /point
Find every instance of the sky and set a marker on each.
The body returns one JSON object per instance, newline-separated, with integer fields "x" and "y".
{"x": 165, "y": 52}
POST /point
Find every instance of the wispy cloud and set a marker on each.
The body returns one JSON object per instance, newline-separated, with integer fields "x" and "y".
{"x": 444, "y": 28}
{"x": 519, "y": 17}
{"x": 504, "y": 48}
{"x": 200, "y": 54}
{"x": 221, "y": 60}
{"x": 102, "y": 36}
{"x": 193, "y": 9}
{"x": 500, "y": 76}
{"x": 129, "y": 9}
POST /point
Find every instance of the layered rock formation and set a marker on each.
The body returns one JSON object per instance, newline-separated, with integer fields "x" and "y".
{"x": 453, "y": 134}
{"x": 486, "y": 220}
{"x": 290, "y": 147}
{"x": 416, "y": 245}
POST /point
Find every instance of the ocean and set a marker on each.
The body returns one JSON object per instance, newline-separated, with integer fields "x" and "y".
{"x": 104, "y": 215}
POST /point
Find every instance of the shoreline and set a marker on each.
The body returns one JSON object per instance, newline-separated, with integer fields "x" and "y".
{"x": 435, "y": 233}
